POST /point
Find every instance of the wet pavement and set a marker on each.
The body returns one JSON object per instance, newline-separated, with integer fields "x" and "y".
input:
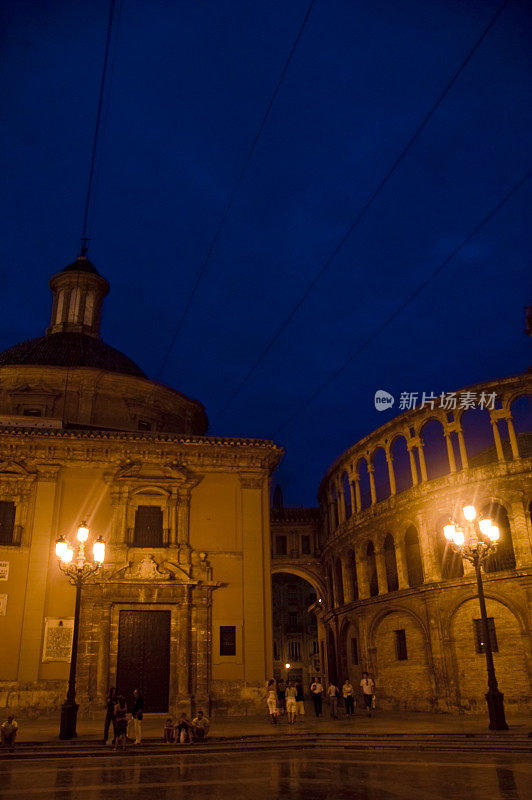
{"x": 274, "y": 775}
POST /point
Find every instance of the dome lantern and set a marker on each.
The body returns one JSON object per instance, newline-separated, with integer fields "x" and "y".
{"x": 78, "y": 292}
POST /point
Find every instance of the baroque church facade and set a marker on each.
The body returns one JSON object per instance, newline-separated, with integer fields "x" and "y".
{"x": 181, "y": 605}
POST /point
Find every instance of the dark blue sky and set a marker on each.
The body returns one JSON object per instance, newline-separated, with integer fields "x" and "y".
{"x": 190, "y": 85}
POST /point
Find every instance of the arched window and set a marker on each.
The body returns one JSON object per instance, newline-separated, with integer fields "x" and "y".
{"x": 435, "y": 449}
{"x": 353, "y": 572}
{"x": 372, "y": 570}
{"x": 365, "y": 488}
{"x": 335, "y": 507}
{"x": 504, "y": 556}
{"x": 401, "y": 464}
{"x": 478, "y": 437}
{"x": 414, "y": 564}
{"x": 339, "y": 582}
{"x": 381, "y": 475}
{"x": 391, "y": 564}
{"x": 521, "y": 410}
{"x": 347, "y": 495}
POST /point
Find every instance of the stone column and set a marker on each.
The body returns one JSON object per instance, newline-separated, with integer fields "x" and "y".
{"x": 173, "y": 514}
{"x": 391, "y": 474}
{"x": 183, "y": 518}
{"x": 183, "y": 650}
{"x": 513, "y": 438}
{"x": 104, "y": 638}
{"x": 353, "y": 498}
{"x": 413, "y": 468}
{"x": 422, "y": 464}
{"x": 431, "y": 565}
{"x": 362, "y": 573}
{"x": 450, "y": 452}
{"x": 381, "y": 571}
{"x": 371, "y": 471}
{"x": 202, "y": 646}
{"x": 462, "y": 448}
{"x": 520, "y": 531}
{"x": 341, "y": 503}
{"x": 497, "y": 438}
{"x": 332, "y": 521}
{"x": 357, "y": 492}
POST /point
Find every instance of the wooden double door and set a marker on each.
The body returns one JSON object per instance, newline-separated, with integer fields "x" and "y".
{"x": 144, "y": 658}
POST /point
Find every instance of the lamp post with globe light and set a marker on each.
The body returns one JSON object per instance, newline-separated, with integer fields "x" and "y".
{"x": 476, "y": 540}
{"x": 79, "y": 569}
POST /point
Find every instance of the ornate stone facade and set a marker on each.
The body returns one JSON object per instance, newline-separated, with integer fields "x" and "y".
{"x": 399, "y": 603}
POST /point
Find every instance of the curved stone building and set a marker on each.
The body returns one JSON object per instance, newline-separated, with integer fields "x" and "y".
{"x": 181, "y": 607}
{"x": 400, "y": 603}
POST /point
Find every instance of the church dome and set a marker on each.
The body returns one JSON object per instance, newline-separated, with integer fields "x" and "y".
{"x": 70, "y": 349}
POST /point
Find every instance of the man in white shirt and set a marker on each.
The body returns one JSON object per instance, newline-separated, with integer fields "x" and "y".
{"x": 316, "y": 690}
{"x": 368, "y": 690}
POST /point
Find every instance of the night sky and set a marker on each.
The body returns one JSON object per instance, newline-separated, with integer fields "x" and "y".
{"x": 191, "y": 81}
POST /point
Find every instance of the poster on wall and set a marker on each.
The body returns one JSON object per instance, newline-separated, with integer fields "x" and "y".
{"x": 3, "y": 605}
{"x": 4, "y": 570}
{"x": 58, "y": 635}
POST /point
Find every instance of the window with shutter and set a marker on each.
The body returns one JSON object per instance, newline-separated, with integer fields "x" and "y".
{"x": 7, "y": 522}
{"x": 148, "y": 527}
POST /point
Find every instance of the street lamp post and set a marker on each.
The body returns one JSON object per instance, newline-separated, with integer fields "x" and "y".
{"x": 78, "y": 570}
{"x": 475, "y": 540}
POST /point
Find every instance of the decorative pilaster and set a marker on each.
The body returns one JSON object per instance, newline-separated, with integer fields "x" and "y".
{"x": 413, "y": 468}
{"x": 422, "y": 463}
{"x": 357, "y": 492}
{"x": 391, "y": 474}
{"x": 450, "y": 452}
{"x": 371, "y": 472}
{"x": 381, "y": 571}
{"x": 513, "y": 438}
{"x": 497, "y": 438}
{"x": 462, "y": 448}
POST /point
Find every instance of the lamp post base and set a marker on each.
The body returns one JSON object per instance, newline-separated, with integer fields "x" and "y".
{"x": 69, "y": 715}
{"x": 495, "y": 699}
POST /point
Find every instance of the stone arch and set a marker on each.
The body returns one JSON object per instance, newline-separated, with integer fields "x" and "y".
{"x": 401, "y": 463}
{"x": 340, "y": 599}
{"x": 349, "y": 654}
{"x": 414, "y": 561}
{"x": 353, "y": 572}
{"x": 390, "y": 561}
{"x": 315, "y": 581}
{"x": 478, "y": 436}
{"x": 381, "y": 475}
{"x": 346, "y": 487}
{"x": 521, "y": 413}
{"x": 336, "y": 516}
{"x": 434, "y": 448}
{"x": 509, "y": 659}
{"x": 364, "y": 483}
{"x": 504, "y": 556}
{"x": 295, "y": 627}
{"x": 371, "y": 567}
{"x": 395, "y": 677}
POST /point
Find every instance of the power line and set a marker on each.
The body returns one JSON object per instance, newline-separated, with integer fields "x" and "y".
{"x": 84, "y": 228}
{"x": 423, "y": 285}
{"x": 234, "y": 192}
{"x": 362, "y": 213}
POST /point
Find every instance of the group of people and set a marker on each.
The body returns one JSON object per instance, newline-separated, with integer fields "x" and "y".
{"x": 347, "y": 693}
{"x": 116, "y": 715}
{"x": 286, "y": 697}
{"x": 186, "y": 731}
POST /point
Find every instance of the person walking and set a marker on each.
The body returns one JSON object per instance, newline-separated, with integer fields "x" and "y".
{"x": 332, "y": 693}
{"x": 110, "y": 715}
{"x": 137, "y": 714}
{"x": 316, "y": 690}
{"x": 121, "y": 722}
{"x": 271, "y": 700}
{"x": 300, "y": 699}
{"x": 349, "y": 697}
{"x": 291, "y": 703}
{"x": 368, "y": 690}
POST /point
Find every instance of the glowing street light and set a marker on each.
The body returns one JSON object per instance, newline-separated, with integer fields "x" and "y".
{"x": 78, "y": 569}
{"x": 475, "y": 540}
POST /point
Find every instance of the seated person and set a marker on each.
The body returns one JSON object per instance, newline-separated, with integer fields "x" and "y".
{"x": 183, "y": 730}
{"x": 168, "y": 731}
{"x": 200, "y": 727}
{"x": 9, "y": 732}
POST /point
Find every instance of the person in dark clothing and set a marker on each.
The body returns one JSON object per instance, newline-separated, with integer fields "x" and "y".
{"x": 137, "y": 713}
{"x": 281, "y": 696}
{"x": 316, "y": 690}
{"x": 300, "y": 699}
{"x": 121, "y": 722}
{"x": 110, "y": 715}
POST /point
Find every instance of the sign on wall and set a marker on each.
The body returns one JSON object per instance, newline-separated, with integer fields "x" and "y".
{"x": 58, "y": 635}
{"x": 4, "y": 570}
{"x": 3, "y": 605}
